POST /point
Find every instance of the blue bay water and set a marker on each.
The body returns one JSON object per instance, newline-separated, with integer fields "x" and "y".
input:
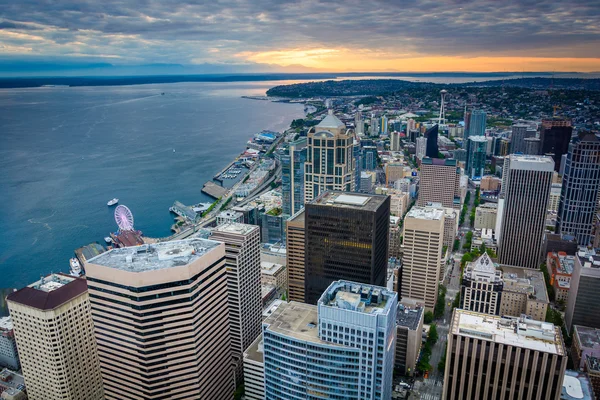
{"x": 64, "y": 152}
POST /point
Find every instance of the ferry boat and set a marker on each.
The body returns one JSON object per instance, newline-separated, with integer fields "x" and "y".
{"x": 75, "y": 267}
{"x": 112, "y": 202}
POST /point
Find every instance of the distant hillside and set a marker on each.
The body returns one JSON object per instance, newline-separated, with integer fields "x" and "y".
{"x": 376, "y": 87}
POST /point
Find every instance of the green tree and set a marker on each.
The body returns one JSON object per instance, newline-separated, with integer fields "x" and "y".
{"x": 428, "y": 317}
{"x": 456, "y": 245}
{"x": 456, "y": 302}
{"x": 432, "y": 336}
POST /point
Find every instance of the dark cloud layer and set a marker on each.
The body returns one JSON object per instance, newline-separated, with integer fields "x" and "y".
{"x": 184, "y": 31}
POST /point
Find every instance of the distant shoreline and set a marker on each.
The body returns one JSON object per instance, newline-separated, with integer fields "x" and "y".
{"x": 73, "y": 81}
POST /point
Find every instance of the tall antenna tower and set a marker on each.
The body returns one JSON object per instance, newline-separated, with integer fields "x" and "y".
{"x": 442, "y": 107}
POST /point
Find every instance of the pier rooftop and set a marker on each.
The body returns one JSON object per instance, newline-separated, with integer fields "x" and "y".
{"x": 151, "y": 257}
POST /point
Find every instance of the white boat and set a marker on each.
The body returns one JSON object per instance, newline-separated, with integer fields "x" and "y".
{"x": 75, "y": 267}
{"x": 112, "y": 202}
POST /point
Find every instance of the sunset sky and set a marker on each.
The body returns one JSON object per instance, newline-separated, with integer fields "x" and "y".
{"x": 442, "y": 35}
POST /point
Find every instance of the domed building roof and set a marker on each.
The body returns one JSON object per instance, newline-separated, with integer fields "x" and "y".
{"x": 331, "y": 121}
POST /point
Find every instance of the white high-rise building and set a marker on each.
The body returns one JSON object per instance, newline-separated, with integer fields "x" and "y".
{"x": 343, "y": 348}
{"x": 421, "y": 147}
{"x": 242, "y": 255}
{"x": 395, "y": 141}
{"x": 359, "y": 124}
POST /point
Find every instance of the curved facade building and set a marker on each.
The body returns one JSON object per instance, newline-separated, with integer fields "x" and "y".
{"x": 341, "y": 349}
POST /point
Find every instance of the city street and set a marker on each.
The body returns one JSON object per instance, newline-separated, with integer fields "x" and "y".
{"x": 431, "y": 387}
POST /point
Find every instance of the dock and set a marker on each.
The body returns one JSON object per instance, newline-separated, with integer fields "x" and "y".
{"x": 184, "y": 211}
{"x": 214, "y": 190}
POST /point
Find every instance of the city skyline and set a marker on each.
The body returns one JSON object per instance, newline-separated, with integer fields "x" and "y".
{"x": 312, "y": 36}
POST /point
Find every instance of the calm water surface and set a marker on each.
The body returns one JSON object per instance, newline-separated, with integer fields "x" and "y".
{"x": 64, "y": 152}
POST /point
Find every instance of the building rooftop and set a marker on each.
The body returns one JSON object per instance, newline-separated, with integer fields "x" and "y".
{"x": 269, "y": 268}
{"x": 256, "y": 351}
{"x": 517, "y": 332}
{"x": 576, "y": 386}
{"x": 409, "y": 317}
{"x": 346, "y": 295}
{"x": 233, "y": 227}
{"x": 478, "y": 138}
{"x": 529, "y": 162}
{"x": 6, "y": 324}
{"x": 588, "y": 337}
{"x": 12, "y": 382}
{"x": 593, "y": 364}
{"x": 589, "y": 258}
{"x": 358, "y": 201}
{"x": 49, "y": 292}
{"x": 151, "y": 257}
{"x": 331, "y": 121}
{"x": 228, "y": 214}
{"x": 297, "y": 320}
{"x": 525, "y": 280}
{"x": 298, "y": 217}
{"x": 425, "y": 213}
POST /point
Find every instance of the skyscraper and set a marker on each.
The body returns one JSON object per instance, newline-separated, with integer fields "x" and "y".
{"x": 384, "y": 125}
{"x": 292, "y": 177}
{"x": 161, "y": 320}
{"x": 421, "y": 147}
{"x": 421, "y": 263}
{"x": 359, "y": 124}
{"x": 492, "y": 357}
{"x": 346, "y": 238}
{"x": 55, "y": 336}
{"x": 481, "y": 287}
{"x": 329, "y": 164}
{"x": 580, "y": 187}
{"x": 242, "y": 261}
{"x": 369, "y": 158}
{"x": 439, "y": 182}
{"x": 520, "y": 132}
{"x": 477, "y": 123}
{"x": 432, "y": 142}
{"x": 522, "y": 212}
{"x": 583, "y": 304}
{"x": 343, "y": 348}
{"x": 555, "y": 137}
{"x": 395, "y": 141}
{"x": 476, "y": 156}
{"x": 295, "y": 256}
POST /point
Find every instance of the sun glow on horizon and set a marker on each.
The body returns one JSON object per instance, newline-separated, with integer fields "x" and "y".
{"x": 361, "y": 60}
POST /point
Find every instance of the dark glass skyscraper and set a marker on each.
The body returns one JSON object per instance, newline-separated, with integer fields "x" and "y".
{"x": 292, "y": 177}
{"x": 346, "y": 238}
{"x": 580, "y": 186}
{"x": 555, "y": 137}
{"x": 432, "y": 142}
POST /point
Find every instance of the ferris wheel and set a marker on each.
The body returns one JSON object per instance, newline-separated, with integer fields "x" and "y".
{"x": 124, "y": 218}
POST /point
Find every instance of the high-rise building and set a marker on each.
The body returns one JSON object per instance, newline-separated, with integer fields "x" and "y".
{"x": 476, "y": 156}
{"x": 53, "y": 327}
{"x": 346, "y": 238}
{"x": 161, "y": 320}
{"x": 583, "y": 304}
{"x": 8, "y": 345}
{"x": 242, "y": 261}
{"x": 524, "y": 292}
{"x": 477, "y": 123}
{"x": 485, "y": 216}
{"x": 369, "y": 158}
{"x": 329, "y": 164}
{"x": 431, "y": 149}
{"x": 580, "y": 188}
{"x": 409, "y": 328}
{"x": 439, "y": 182}
{"x": 374, "y": 127}
{"x": 295, "y": 231}
{"x": 492, "y": 357}
{"x": 421, "y": 263}
{"x": 532, "y": 146}
{"x": 254, "y": 370}
{"x": 554, "y": 199}
{"x": 481, "y": 287}
{"x": 522, "y": 211}
{"x": 384, "y": 125}
{"x": 395, "y": 141}
{"x": 357, "y": 156}
{"x": 421, "y": 147}
{"x": 359, "y": 124}
{"x": 555, "y": 137}
{"x": 342, "y": 348}
{"x": 520, "y": 132}
{"x": 292, "y": 177}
